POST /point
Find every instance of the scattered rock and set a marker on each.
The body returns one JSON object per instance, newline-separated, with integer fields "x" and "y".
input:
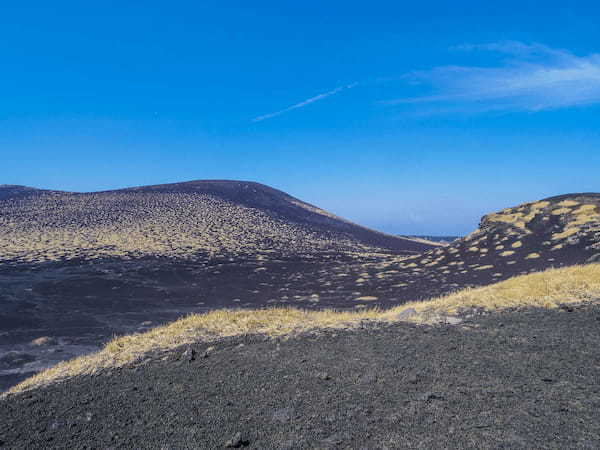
{"x": 451, "y": 320}
{"x": 207, "y": 352}
{"x": 336, "y": 439}
{"x": 594, "y": 258}
{"x": 517, "y": 440}
{"x": 283, "y": 414}
{"x": 15, "y": 359}
{"x": 367, "y": 378}
{"x": 427, "y": 396}
{"x": 408, "y": 312}
{"x": 237, "y": 441}
{"x": 189, "y": 354}
{"x": 413, "y": 379}
{"x": 44, "y": 340}
{"x": 56, "y": 424}
{"x": 290, "y": 444}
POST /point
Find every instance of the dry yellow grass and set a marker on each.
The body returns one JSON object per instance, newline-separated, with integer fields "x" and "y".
{"x": 564, "y": 234}
{"x": 560, "y": 211}
{"x": 568, "y": 203}
{"x": 586, "y": 215}
{"x": 367, "y": 298}
{"x": 540, "y": 205}
{"x": 585, "y": 209}
{"x": 544, "y": 289}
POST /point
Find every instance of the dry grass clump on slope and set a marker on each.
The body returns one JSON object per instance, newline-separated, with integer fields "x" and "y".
{"x": 546, "y": 289}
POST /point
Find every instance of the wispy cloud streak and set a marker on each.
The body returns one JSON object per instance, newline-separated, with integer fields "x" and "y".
{"x": 532, "y": 78}
{"x": 305, "y": 102}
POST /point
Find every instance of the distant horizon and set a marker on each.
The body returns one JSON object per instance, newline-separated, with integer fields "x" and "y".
{"x": 404, "y": 118}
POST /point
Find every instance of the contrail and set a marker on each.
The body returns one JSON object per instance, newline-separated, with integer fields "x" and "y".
{"x": 305, "y": 102}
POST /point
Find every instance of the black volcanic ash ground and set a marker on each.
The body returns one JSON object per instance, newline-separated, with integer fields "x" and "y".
{"x": 525, "y": 379}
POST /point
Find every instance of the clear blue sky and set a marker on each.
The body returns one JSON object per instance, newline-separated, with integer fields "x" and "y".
{"x": 409, "y": 117}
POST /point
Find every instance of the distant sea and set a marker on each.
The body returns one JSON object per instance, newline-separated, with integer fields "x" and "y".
{"x": 442, "y": 239}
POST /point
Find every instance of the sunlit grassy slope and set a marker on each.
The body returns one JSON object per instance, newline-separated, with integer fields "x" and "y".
{"x": 546, "y": 289}
{"x": 545, "y": 230}
{"x": 183, "y": 220}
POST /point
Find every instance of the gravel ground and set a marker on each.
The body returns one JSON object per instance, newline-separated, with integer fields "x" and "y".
{"x": 528, "y": 379}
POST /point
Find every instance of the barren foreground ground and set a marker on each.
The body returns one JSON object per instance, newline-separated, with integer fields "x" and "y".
{"x": 526, "y": 379}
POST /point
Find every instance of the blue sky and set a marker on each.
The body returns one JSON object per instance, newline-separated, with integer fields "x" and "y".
{"x": 409, "y": 118}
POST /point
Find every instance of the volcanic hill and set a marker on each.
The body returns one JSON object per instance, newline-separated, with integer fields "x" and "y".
{"x": 183, "y": 220}
{"x": 554, "y": 232}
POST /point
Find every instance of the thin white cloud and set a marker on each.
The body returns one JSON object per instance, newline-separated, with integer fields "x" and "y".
{"x": 304, "y": 102}
{"x": 534, "y": 77}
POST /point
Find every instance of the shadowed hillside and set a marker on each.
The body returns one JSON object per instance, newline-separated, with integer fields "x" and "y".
{"x": 198, "y": 218}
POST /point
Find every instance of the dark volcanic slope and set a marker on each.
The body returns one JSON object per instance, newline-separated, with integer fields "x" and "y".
{"x": 512, "y": 380}
{"x": 554, "y": 232}
{"x": 81, "y": 303}
{"x": 184, "y": 220}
